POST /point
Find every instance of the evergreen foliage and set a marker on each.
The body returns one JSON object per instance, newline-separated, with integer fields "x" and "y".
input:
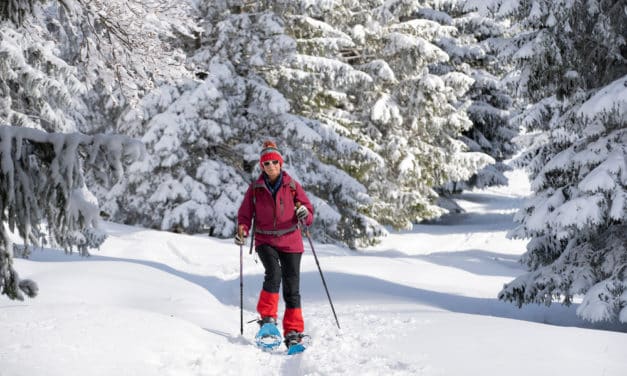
{"x": 121, "y": 51}
{"x": 37, "y": 88}
{"x": 382, "y": 96}
{"x": 77, "y": 64}
{"x": 375, "y": 104}
{"x": 195, "y": 131}
{"x": 472, "y": 45}
{"x": 574, "y": 72}
{"x": 349, "y": 90}
{"x": 206, "y": 135}
{"x": 345, "y": 90}
{"x": 17, "y": 10}
{"x": 43, "y": 193}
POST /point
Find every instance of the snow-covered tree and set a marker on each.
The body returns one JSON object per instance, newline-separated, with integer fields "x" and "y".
{"x": 575, "y": 76}
{"x": 122, "y": 49}
{"x": 383, "y": 95}
{"x": 204, "y": 135}
{"x": 43, "y": 193}
{"x": 72, "y": 65}
{"x": 17, "y": 10}
{"x": 196, "y": 131}
{"x": 473, "y": 48}
{"x": 321, "y": 84}
{"x": 36, "y": 86}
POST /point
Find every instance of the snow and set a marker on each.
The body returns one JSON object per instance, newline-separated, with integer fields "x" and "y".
{"x": 618, "y": 210}
{"x": 386, "y": 110}
{"x": 594, "y": 305}
{"x": 397, "y": 42}
{"x": 611, "y": 96}
{"x": 422, "y": 302}
{"x": 579, "y": 212}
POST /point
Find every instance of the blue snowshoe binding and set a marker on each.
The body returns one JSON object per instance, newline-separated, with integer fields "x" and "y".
{"x": 268, "y": 337}
{"x": 294, "y": 342}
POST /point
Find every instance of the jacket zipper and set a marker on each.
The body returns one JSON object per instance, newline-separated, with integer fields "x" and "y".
{"x": 281, "y": 207}
{"x": 275, "y": 216}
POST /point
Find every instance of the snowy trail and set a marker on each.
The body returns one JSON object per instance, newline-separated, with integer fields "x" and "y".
{"x": 420, "y": 303}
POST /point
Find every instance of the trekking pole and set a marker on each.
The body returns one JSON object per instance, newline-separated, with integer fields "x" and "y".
{"x": 324, "y": 283}
{"x": 241, "y": 289}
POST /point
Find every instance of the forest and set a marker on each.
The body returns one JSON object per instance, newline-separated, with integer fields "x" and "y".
{"x": 153, "y": 112}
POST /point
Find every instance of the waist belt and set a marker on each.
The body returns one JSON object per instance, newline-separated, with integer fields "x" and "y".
{"x": 276, "y": 232}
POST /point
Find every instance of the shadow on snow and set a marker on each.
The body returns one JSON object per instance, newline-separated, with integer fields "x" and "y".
{"x": 348, "y": 288}
{"x": 474, "y": 261}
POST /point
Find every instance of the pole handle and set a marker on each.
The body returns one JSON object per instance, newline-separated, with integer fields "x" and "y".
{"x": 252, "y": 237}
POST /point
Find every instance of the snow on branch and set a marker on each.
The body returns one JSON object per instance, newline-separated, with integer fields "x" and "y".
{"x": 42, "y": 184}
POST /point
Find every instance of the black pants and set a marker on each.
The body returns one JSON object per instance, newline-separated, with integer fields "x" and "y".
{"x": 285, "y": 267}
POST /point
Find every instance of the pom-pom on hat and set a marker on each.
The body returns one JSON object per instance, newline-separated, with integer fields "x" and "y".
{"x": 270, "y": 152}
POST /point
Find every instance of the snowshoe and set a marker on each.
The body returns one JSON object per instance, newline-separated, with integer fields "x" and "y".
{"x": 268, "y": 337}
{"x": 294, "y": 342}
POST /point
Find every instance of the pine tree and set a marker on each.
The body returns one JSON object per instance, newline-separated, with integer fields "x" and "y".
{"x": 473, "y": 47}
{"x": 204, "y": 135}
{"x": 17, "y": 10}
{"x": 403, "y": 114}
{"x": 200, "y": 133}
{"x": 36, "y": 87}
{"x": 575, "y": 76}
{"x": 322, "y": 85}
{"x": 121, "y": 50}
{"x": 43, "y": 193}
{"x": 76, "y": 64}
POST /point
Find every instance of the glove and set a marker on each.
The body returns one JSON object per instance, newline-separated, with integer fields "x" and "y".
{"x": 302, "y": 213}
{"x": 240, "y": 237}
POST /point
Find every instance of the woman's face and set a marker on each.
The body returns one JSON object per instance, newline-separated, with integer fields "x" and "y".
{"x": 272, "y": 169}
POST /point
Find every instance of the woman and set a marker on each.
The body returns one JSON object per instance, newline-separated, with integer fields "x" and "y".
{"x": 277, "y": 203}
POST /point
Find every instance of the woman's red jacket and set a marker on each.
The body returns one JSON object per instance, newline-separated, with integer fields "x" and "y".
{"x": 275, "y": 220}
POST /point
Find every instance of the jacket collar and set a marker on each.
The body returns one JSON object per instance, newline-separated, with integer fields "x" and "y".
{"x": 286, "y": 178}
{"x": 273, "y": 187}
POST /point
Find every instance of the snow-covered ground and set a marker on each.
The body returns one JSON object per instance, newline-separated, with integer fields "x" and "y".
{"x": 420, "y": 303}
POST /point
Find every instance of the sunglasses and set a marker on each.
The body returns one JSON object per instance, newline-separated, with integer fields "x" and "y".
{"x": 268, "y": 163}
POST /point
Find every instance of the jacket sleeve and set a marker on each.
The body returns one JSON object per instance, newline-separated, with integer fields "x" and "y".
{"x": 301, "y": 197}
{"x": 246, "y": 210}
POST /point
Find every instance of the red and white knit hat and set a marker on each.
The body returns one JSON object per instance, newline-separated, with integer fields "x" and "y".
{"x": 270, "y": 152}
